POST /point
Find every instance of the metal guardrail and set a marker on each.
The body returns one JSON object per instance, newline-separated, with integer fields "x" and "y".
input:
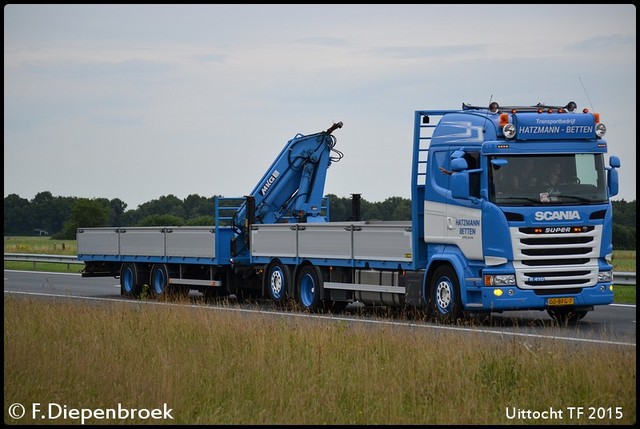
{"x": 622, "y": 278}
{"x": 29, "y": 257}
{"x": 619, "y": 277}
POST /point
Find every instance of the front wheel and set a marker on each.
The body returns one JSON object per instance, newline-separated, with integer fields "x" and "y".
{"x": 444, "y": 295}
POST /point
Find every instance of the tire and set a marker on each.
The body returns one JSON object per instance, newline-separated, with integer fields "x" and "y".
{"x": 130, "y": 280}
{"x": 445, "y": 304}
{"x": 159, "y": 281}
{"x": 565, "y": 316}
{"x": 278, "y": 282}
{"x": 310, "y": 289}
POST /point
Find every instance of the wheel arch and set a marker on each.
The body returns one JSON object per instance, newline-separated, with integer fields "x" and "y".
{"x": 453, "y": 260}
{"x": 298, "y": 268}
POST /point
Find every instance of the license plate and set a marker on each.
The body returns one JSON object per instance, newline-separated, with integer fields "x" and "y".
{"x": 560, "y": 301}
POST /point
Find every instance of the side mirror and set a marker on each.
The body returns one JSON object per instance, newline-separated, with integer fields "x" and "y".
{"x": 499, "y": 162}
{"x": 614, "y": 161}
{"x": 613, "y": 182}
{"x": 460, "y": 184}
{"x": 459, "y": 164}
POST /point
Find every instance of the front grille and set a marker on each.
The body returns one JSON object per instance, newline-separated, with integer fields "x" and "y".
{"x": 541, "y": 241}
{"x": 556, "y": 251}
{"x": 556, "y": 261}
{"x": 546, "y": 261}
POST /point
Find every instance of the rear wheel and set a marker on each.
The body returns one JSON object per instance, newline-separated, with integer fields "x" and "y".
{"x": 159, "y": 280}
{"x": 309, "y": 291}
{"x": 130, "y": 280}
{"x": 444, "y": 295}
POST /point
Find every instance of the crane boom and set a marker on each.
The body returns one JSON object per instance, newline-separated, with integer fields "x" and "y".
{"x": 294, "y": 183}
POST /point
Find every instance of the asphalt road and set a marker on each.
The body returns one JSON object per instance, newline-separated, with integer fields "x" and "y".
{"x": 613, "y": 324}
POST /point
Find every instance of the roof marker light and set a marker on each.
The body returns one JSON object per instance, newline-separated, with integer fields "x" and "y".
{"x": 504, "y": 119}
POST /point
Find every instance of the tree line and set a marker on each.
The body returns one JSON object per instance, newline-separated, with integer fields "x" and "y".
{"x": 59, "y": 217}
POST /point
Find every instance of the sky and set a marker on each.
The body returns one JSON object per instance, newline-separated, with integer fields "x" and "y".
{"x": 137, "y": 102}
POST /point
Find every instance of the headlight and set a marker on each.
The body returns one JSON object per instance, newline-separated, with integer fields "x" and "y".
{"x": 601, "y": 130}
{"x": 500, "y": 280}
{"x": 605, "y": 276}
{"x": 509, "y": 131}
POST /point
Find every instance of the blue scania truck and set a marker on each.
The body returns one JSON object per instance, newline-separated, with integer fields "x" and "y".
{"x": 510, "y": 210}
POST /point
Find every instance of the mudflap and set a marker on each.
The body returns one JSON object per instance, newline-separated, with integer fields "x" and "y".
{"x": 413, "y": 288}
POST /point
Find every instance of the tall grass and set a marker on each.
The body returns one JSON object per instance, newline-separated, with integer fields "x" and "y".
{"x": 218, "y": 367}
{"x": 624, "y": 260}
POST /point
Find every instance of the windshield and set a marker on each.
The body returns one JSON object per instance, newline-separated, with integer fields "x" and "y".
{"x": 540, "y": 180}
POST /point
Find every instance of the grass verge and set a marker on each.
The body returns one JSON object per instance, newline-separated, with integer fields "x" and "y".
{"x": 219, "y": 367}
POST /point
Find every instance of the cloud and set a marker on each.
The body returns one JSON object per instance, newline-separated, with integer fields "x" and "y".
{"x": 190, "y": 99}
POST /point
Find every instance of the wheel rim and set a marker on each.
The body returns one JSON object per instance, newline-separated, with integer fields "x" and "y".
{"x": 444, "y": 295}
{"x": 276, "y": 282}
{"x": 307, "y": 290}
{"x": 159, "y": 281}
{"x": 127, "y": 280}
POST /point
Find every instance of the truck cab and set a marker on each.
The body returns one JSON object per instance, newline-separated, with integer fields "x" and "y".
{"x": 516, "y": 210}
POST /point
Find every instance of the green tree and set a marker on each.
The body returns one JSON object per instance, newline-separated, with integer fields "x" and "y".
{"x": 118, "y": 208}
{"x": 339, "y": 208}
{"x": 624, "y": 212}
{"x": 396, "y": 208}
{"x": 371, "y": 211}
{"x": 161, "y": 220}
{"x": 201, "y": 221}
{"x": 169, "y": 205}
{"x": 196, "y": 206}
{"x": 624, "y": 225}
{"x": 85, "y": 213}
{"x": 17, "y": 216}
{"x": 402, "y": 210}
{"x": 41, "y": 211}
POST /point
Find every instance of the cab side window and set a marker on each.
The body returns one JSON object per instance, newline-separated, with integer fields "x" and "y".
{"x": 473, "y": 161}
{"x": 440, "y": 159}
